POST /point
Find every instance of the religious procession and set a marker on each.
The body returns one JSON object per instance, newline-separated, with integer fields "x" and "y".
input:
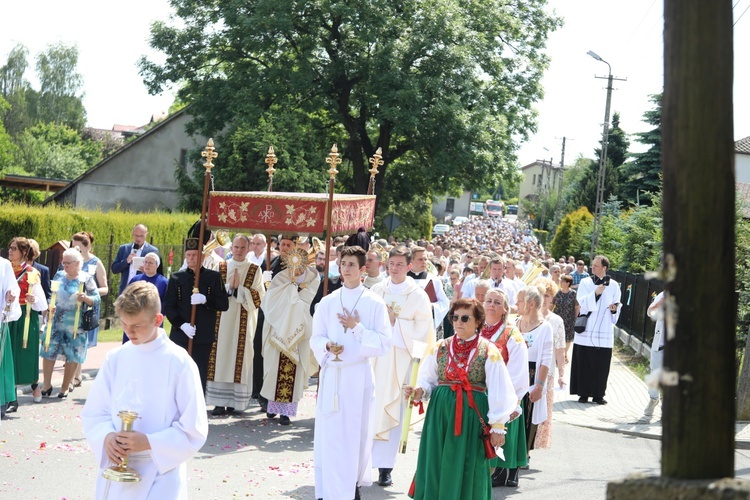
{"x": 458, "y": 333}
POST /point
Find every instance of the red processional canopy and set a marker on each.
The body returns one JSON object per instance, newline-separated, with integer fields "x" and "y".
{"x": 299, "y": 213}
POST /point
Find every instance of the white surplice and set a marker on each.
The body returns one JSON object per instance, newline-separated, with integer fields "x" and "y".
{"x": 230, "y": 380}
{"x": 411, "y": 305}
{"x": 441, "y": 307}
{"x": 344, "y": 414}
{"x": 600, "y": 325}
{"x": 161, "y": 382}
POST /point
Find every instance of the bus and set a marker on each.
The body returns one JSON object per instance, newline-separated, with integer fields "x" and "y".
{"x": 494, "y": 208}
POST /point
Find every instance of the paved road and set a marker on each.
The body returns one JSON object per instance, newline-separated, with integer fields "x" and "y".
{"x": 43, "y": 455}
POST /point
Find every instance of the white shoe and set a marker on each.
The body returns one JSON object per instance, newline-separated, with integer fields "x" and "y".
{"x": 650, "y": 407}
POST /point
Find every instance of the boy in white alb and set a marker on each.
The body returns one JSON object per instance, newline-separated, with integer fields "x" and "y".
{"x": 350, "y": 326}
{"x": 156, "y": 378}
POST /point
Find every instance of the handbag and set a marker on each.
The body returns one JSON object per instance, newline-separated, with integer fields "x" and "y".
{"x": 89, "y": 319}
{"x": 489, "y": 450}
{"x": 581, "y": 321}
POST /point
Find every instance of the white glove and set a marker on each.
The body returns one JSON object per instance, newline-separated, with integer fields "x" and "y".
{"x": 188, "y": 329}
{"x": 197, "y": 298}
{"x": 267, "y": 276}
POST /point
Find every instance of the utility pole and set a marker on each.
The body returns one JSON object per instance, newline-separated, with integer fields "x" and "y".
{"x": 603, "y": 156}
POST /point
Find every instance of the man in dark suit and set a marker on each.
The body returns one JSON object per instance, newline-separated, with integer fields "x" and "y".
{"x": 127, "y": 252}
{"x": 178, "y": 301}
{"x": 43, "y": 270}
{"x": 286, "y": 243}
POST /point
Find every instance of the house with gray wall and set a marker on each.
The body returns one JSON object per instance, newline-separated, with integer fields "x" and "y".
{"x": 140, "y": 175}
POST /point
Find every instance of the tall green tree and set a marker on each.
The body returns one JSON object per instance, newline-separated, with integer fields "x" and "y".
{"x": 16, "y": 91}
{"x": 640, "y": 179}
{"x": 56, "y": 151}
{"x": 7, "y": 148}
{"x": 617, "y": 152}
{"x": 444, "y": 87}
{"x": 60, "y": 86}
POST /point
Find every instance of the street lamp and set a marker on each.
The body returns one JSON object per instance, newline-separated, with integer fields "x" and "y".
{"x": 603, "y": 156}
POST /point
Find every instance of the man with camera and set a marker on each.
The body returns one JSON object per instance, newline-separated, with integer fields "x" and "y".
{"x": 599, "y": 298}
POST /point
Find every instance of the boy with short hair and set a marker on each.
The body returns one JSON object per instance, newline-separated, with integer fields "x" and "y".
{"x": 156, "y": 378}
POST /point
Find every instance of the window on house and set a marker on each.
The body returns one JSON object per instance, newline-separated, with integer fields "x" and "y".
{"x": 534, "y": 181}
{"x": 450, "y": 204}
{"x": 183, "y": 157}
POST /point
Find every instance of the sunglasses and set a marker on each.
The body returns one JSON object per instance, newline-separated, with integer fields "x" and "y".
{"x": 455, "y": 317}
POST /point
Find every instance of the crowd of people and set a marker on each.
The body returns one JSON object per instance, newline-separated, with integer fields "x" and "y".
{"x": 495, "y": 314}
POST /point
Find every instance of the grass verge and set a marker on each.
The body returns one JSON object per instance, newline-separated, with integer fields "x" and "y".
{"x": 634, "y": 361}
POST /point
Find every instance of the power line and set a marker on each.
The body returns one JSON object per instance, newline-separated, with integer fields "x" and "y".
{"x": 743, "y": 13}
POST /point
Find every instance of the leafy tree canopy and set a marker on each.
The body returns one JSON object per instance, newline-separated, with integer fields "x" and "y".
{"x": 644, "y": 172}
{"x": 56, "y": 151}
{"x": 444, "y": 87}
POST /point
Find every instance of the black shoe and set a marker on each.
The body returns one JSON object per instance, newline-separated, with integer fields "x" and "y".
{"x": 284, "y": 420}
{"x": 12, "y": 407}
{"x": 499, "y": 477}
{"x": 62, "y": 395}
{"x": 583, "y": 399}
{"x": 218, "y": 411}
{"x": 385, "y": 477}
{"x": 230, "y": 410}
{"x": 47, "y": 393}
{"x": 270, "y": 415}
{"x": 512, "y": 478}
{"x": 600, "y": 401}
{"x": 356, "y": 494}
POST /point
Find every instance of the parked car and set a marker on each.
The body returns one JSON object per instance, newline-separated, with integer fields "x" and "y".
{"x": 440, "y": 229}
{"x": 513, "y": 209}
{"x": 459, "y": 220}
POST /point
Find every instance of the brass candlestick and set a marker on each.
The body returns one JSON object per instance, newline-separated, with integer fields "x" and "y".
{"x": 123, "y": 473}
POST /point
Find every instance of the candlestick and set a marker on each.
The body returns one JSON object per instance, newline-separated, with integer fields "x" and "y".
{"x": 78, "y": 311}
{"x": 54, "y": 286}
{"x": 32, "y": 279}
{"x": 418, "y": 351}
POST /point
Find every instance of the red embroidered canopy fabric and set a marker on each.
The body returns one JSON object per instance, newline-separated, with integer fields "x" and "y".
{"x": 301, "y": 213}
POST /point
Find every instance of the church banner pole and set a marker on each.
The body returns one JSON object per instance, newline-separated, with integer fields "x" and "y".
{"x": 209, "y": 154}
{"x": 376, "y": 161}
{"x": 270, "y": 160}
{"x": 333, "y": 160}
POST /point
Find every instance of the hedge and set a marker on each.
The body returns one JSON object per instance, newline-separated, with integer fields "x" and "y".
{"x": 49, "y": 224}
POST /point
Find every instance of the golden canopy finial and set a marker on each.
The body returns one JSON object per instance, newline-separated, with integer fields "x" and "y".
{"x": 271, "y": 161}
{"x": 333, "y": 160}
{"x": 209, "y": 154}
{"x": 376, "y": 161}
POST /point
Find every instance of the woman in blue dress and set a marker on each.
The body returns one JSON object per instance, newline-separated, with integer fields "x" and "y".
{"x": 94, "y": 267}
{"x": 63, "y": 345}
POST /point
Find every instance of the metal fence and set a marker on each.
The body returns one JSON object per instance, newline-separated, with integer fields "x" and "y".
{"x": 637, "y": 295}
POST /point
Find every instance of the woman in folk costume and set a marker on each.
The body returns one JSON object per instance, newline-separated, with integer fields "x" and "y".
{"x": 538, "y": 336}
{"x": 469, "y": 386}
{"x": 287, "y": 330}
{"x": 10, "y": 310}
{"x": 548, "y": 289}
{"x": 26, "y": 357}
{"x": 509, "y": 341}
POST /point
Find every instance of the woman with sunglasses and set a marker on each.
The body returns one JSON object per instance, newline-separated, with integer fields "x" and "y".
{"x": 504, "y": 334}
{"x": 62, "y": 344}
{"x": 25, "y": 358}
{"x": 465, "y": 377}
{"x": 539, "y": 338}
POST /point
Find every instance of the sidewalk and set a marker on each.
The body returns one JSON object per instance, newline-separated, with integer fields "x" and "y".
{"x": 627, "y": 397}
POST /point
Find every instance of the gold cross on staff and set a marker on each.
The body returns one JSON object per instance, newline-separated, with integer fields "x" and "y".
{"x": 333, "y": 160}
{"x": 209, "y": 154}
{"x": 271, "y": 161}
